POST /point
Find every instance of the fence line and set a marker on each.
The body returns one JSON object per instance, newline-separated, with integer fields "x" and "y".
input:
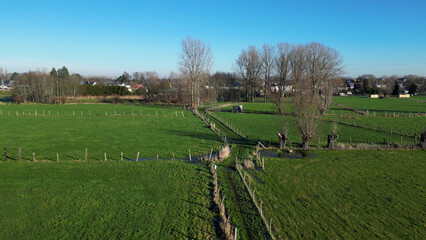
{"x": 259, "y": 205}
{"x": 75, "y": 113}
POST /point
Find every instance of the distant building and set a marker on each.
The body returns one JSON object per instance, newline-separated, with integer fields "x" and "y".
{"x": 404, "y": 95}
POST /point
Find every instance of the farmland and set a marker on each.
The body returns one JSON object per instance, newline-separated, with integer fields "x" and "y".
{"x": 345, "y": 194}
{"x": 264, "y": 127}
{"x": 111, "y": 129}
{"x": 326, "y": 194}
{"x": 382, "y": 106}
{"x": 96, "y": 200}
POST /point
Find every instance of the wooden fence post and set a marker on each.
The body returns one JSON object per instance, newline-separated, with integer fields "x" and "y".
{"x": 34, "y": 158}
{"x": 189, "y": 152}
{"x": 121, "y": 158}
{"x": 105, "y": 157}
{"x": 173, "y": 156}
{"x": 137, "y": 157}
{"x": 57, "y": 157}
{"x": 19, "y": 154}
{"x": 5, "y": 154}
{"x": 235, "y": 234}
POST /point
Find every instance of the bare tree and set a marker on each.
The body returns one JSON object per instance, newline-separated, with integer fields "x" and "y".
{"x": 282, "y": 137}
{"x": 325, "y": 95}
{"x": 306, "y": 111}
{"x": 267, "y": 54}
{"x": 331, "y": 138}
{"x": 249, "y": 66}
{"x": 322, "y": 63}
{"x": 195, "y": 63}
{"x": 282, "y": 66}
{"x": 304, "y": 99}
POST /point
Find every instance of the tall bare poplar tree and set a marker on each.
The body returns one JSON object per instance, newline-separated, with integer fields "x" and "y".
{"x": 323, "y": 64}
{"x": 267, "y": 55}
{"x": 282, "y": 66}
{"x": 249, "y": 66}
{"x": 195, "y": 63}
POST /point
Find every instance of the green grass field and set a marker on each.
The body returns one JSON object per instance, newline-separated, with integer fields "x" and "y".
{"x": 265, "y": 127}
{"x": 69, "y": 130}
{"x": 382, "y": 106}
{"x": 346, "y": 195}
{"x": 114, "y": 200}
{"x": 409, "y": 125}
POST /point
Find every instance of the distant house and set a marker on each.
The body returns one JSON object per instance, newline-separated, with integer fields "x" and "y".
{"x": 404, "y": 95}
{"x": 374, "y": 95}
{"x": 137, "y": 86}
{"x": 129, "y": 88}
{"x": 3, "y": 85}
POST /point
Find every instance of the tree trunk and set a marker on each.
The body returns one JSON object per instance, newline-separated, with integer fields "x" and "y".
{"x": 331, "y": 139}
{"x": 264, "y": 94}
{"x": 305, "y": 143}
{"x": 283, "y": 139}
{"x": 423, "y": 140}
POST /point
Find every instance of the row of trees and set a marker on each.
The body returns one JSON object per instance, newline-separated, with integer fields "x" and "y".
{"x": 313, "y": 62}
{"x": 38, "y": 86}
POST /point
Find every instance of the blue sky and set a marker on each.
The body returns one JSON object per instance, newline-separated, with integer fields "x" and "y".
{"x": 109, "y": 37}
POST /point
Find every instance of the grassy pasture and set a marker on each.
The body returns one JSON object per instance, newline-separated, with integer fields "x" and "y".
{"x": 113, "y": 200}
{"x": 381, "y": 106}
{"x": 409, "y": 125}
{"x": 166, "y": 134}
{"x": 265, "y": 127}
{"x": 262, "y": 107}
{"x": 345, "y": 195}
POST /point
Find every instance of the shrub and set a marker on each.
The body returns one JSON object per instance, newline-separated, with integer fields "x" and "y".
{"x": 63, "y": 99}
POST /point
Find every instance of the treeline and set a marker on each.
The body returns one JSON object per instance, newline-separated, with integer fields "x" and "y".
{"x": 37, "y": 86}
{"x": 268, "y": 70}
{"x": 390, "y": 85}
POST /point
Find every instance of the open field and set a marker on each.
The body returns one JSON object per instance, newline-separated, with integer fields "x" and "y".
{"x": 382, "y": 106}
{"x": 70, "y": 129}
{"x": 345, "y": 194}
{"x": 265, "y": 127}
{"x": 114, "y": 200}
{"x": 407, "y": 125}
{"x": 331, "y": 194}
